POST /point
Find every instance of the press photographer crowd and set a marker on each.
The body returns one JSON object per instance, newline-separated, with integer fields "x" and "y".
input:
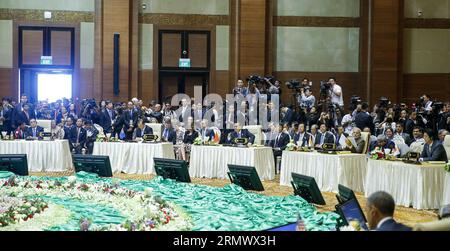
{"x": 306, "y": 120}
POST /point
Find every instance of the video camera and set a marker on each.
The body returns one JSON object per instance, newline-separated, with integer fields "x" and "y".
{"x": 384, "y": 102}
{"x": 325, "y": 87}
{"x": 88, "y": 103}
{"x": 254, "y": 79}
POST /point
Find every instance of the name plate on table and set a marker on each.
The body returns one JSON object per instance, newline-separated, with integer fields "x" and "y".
{"x": 412, "y": 158}
{"x": 241, "y": 141}
{"x": 150, "y": 138}
{"x": 328, "y": 147}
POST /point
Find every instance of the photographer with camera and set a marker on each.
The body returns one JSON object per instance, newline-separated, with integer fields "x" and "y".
{"x": 335, "y": 92}
{"x": 307, "y": 100}
{"x": 240, "y": 88}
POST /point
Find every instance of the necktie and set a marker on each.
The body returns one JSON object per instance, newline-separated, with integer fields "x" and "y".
{"x": 278, "y": 138}
{"x": 166, "y": 133}
{"x": 34, "y": 132}
{"x": 322, "y": 137}
{"x": 142, "y": 132}
{"x": 78, "y": 135}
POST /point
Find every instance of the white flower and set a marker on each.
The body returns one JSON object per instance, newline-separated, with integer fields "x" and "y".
{"x": 148, "y": 191}
{"x": 72, "y": 179}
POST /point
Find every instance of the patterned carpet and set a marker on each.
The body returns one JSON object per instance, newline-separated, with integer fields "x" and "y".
{"x": 408, "y": 216}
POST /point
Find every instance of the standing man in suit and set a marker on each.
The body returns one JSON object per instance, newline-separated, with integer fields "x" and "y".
{"x": 17, "y": 115}
{"x": 380, "y": 209}
{"x": 131, "y": 118}
{"x": 77, "y": 138}
{"x": 324, "y": 137}
{"x": 302, "y": 138}
{"x": 33, "y": 132}
{"x": 363, "y": 119}
{"x": 107, "y": 118}
{"x": 240, "y": 133}
{"x": 433, "y": 150}
{"x": 279, "y": 144}
{"x": 399, "y": 132}
{"x": 91, "y": 136}
{"x": 141, "y": 130}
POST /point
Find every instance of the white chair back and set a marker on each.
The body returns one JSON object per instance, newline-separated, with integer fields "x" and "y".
{"x": 257, "y": 131}
{"x": 46, "y": 124}
{"x": 447, "y": 146}
{"x": 157, "y": 129}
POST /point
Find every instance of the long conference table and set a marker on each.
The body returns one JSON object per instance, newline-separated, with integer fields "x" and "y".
{"x": 133, "y": 158}
{"x": 42, "y": 156}
{"x": 212, "y": 161}
{"x": 329, "y": 170}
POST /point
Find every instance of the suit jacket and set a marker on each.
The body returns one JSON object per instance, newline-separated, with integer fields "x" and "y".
{"x": 131, "y": 115}
{"x": 81, "y": 138}
{"x": 329, "y": 138}
{"x": 288, "y": 117}
{"x": 206, "y": 133}
{"x": 105, "y": 120}
{"x": 244, "y": 134}
{"x": 29, "y": 132}
{"x": 67, "y": 131}
{"x": 392, "y": 225}
{"x": 363, "y": 120}
{"x": 171, "y": 135}
{"x": 303, "y": 141}
{"x": 389, "y": 145}
{"x": 189, "y": 138}
{"x": 138, "y": 132}
{"x": 437, "y": 152}
{"x": 281, "y": 142}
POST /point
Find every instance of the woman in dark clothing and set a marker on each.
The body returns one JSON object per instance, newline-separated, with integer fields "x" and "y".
{"x": 119, "y": 123}
{"x": 189, "y": 137}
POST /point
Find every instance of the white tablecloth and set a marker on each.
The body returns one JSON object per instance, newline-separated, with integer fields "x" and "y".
{"x": 446, "y": 198}
{"x": 212, "y": 161}
{"x": 42, "y": 156}
{"x": 418, "y": 185}
{"x": 133, "y": 158}
{"x": 329, "y": 170}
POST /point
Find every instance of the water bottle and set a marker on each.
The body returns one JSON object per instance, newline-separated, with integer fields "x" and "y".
{"x": 300, "y": 224}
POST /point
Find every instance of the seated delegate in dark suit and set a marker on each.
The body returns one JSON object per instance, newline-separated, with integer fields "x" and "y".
{"x": 433, "y": 150}
{"x": 323, "y": 137}
{"x": 77, "y": 137}
{"x": 141, "y": 130}
{"x": 302, "y": 138}
{"x": 205, "y": 133}
{"x": 190, "y": 136}
{"x": 380, "y": 209}
{"x": 34, "y": 130}
{"x": 240, "y": 133}
{"x": 169, "y": 134}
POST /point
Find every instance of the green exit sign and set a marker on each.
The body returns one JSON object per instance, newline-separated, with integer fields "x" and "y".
{"x": 185, "y": 62}
{"x": 46, "y": 60}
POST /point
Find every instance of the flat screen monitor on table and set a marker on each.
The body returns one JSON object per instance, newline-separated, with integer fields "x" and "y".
{"x": 245, "y": 177}
{"x": 15, "y": 163}
{"x": 172, "y": 169}
{"x": 93, "y": 164}
{"x": 306, "y": 187}
{"x": 351, "y": 211}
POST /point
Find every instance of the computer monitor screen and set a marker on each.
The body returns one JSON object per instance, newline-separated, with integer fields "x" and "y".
{"x": 172, "y": 169}
{"x": 306, "y": 187}
{"x": 351, "y": 211}
{"x": 15, "y": 163}
{"x": 245, "y": 177}
{"x": 93, "y": 164}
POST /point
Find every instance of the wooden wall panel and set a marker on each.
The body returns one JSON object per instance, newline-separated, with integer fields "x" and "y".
{"x": 436, "y": 85}
{"x": 86, "y": 83}
{"x": 32, "y": 47}
{"x": 61, "y": 47}
{"x": 350, "y": 83}
{"x": 146, "y": 86}
{"x": 198, "y": 50}
{"x": 171, "y": 49}
{"x": 6, "y": 82}
{"x": 222, "y": 85}
{"x": 386, "y": 50}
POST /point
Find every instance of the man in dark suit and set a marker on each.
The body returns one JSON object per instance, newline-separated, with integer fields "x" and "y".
{"x": 302, "y": 138}
{"x": 77, "y": 137}
{"x": 25, "y": 115}
{"x": 380, "y": 209}
{"x": 169, "y": 134}
{"x": 400, "y": 133}
{"x": 324, "y": 137}
{"x": 205, "y": 133}
{"x": 240, "y": 133}
{"x": 16, "y": 113}
{"x": 107, "y": 118}
{"x": 279, "y": 144}
{"x": 131, "y": 118}
{"x": 68, "y": 127}
{"x": 91, "y": 136}
{"x": 33, "y": 132}
{"x": 433, "y": 150}
{"x": 287, "y": 115}
{"x": 141, "y": 130}
{"x": 363, "y": 119}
